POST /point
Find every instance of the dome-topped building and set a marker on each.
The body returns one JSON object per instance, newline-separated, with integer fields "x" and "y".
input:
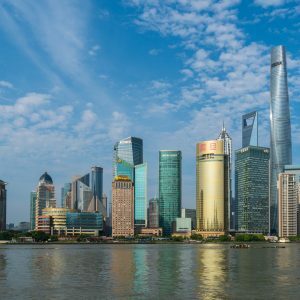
{"x": 46, "y": 178}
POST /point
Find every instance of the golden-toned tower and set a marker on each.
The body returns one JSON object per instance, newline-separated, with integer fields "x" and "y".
{"x": 211, "y": 188}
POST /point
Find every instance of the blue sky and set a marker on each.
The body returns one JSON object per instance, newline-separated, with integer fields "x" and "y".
{"x": 76, "y": 76}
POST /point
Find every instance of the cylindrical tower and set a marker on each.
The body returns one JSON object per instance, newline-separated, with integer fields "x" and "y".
{"x": 211, "y": 188}
{"x": 280, "y": 125}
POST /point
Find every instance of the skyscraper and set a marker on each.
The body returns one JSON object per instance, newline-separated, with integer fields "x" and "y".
{"x": 2, "y": 205}
{"x": 122, "y": 207}
{"x": 287, "y": 205}
{"x": 32, "y": 209}
{"x": 66, "y": 195}
{"x": 169, "y": 189}
{"x": 45, "y": 195}
{"x": 280, "y": 124}
{"x": 127, "y": 151}
{"x": 250, "y": 129}
{"x": 153, "y": 219}
{"x": 96, "y": 185}
{"x": 140, "y": 195}
{"x": 227, "y": 142}
{"x": 251, "y": 189}
{"x": 211, "y": 188}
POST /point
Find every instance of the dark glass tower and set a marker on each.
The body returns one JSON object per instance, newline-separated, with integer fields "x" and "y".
{"x": 250, "y": 129}
{"x": 280, "y": 144}
{"x": 169, "y": 189}
{"x": 127, "y": 151}
{"x": 2, "y": 205}
{"x": 251, "y": 189}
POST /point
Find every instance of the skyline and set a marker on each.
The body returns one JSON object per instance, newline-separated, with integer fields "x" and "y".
{"x": 182, "y": 68}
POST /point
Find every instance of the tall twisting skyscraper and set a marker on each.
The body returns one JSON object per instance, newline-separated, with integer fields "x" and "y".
{"x": 227, "y": 142}
{"x": 281, "y": 144}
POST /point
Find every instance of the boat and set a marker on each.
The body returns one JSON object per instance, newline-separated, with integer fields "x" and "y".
{"x": 283, "y": 240}
{"x": 240, "y": 246}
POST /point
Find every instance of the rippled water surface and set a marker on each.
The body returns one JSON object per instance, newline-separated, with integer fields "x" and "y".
{"x": 167, "y": 271}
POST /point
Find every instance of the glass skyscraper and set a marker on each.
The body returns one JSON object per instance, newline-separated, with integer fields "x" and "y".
{"x": 227, "y": 144}
{"x": 251, "y": 189}
{"x": 65, "y": 194}
{"x": 96, "y": 185}
{"x": 140, "y": 195}
{"x": 32, "y": 209}
{"x": 130, "y": 151}
{"x": 250, "y": 129}
{"x": 280, "y": 124}
{"x": 169, "y": 189}
{"x": 2, "y": 205}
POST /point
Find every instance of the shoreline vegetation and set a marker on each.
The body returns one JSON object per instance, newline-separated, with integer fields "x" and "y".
{"x": 39, "y": 238}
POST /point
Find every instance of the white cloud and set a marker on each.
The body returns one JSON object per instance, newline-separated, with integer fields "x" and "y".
{"x": 6, "y": 84}
{"x": 154, "y": 51}
{"x": 268, "y": 3}
{"x": 119, "y": 126}
{"x": 94, "y": 50}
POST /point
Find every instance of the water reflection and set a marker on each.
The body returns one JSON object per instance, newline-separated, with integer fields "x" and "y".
{"x": 3, "y": 266}
{"x": 123, "y": 270}
{"x": 212, "y": 264}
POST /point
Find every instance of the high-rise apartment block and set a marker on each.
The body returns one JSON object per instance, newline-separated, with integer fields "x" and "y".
{"x": 211, "y": 188}
{"x": 45, "y": 195}
{"x": 169, "y": 189}
{"x": 252, "y": 189}
{"x": 280, "y": 124}
{"x": 287, "y": 205}
{"x": 2, "y": 205}
{"x": 122, "y": 207}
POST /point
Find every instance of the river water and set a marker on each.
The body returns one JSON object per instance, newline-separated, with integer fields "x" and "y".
{"x": 164, "y": 271}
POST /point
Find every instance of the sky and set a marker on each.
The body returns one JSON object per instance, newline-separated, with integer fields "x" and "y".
{"x": 77, "y": 76}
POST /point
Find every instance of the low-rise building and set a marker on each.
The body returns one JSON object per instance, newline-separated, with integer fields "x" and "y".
{"x": 151, "y": 231}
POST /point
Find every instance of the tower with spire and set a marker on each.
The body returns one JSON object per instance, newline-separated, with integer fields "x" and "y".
{"x": 227, "y": 142}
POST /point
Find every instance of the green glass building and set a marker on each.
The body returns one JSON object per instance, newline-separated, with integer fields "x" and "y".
{"x": 169, "y": 189}
{"x": 252, "y": 189}
{"x": 140, "y": 195}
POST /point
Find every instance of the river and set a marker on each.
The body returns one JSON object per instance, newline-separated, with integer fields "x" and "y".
{"x": 154, "y": 271}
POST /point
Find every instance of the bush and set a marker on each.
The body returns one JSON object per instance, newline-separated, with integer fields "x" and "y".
{"x": 197, "y": 237}
{"x": 40, "y": 236}
{"x": 224, "y": 238}
{"x": 249, "y": 237}
{"x": 177, "y": 238}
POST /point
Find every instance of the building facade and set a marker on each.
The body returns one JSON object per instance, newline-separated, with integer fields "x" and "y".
{"x": 140, "y": 195}
{"x": 287, "y": 205}
{"x": 169, "y": 189}
{"x": 2, "y": 205}
{"x": 127, "y": 151}
{"x": 227, "y": 143}
{"x": 211, "y": 188}
{"x": 122, "y": 207}
{"x": 32, "y": 209}
{"x": 66, "y": 195}
{"x": 190, "y": 213}
{"x": 45, "y": 195}
{"x": 252, "y": 189}
{"x": 153, "y": 213}
{"x": 280, "y": 125}
{"x": 90, "y": 223}
{"x": 250, "y": 129}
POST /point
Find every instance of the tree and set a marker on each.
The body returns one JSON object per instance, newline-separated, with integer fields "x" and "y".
{"x": 40, "y": 236}
{"x": 197, "y": 237}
